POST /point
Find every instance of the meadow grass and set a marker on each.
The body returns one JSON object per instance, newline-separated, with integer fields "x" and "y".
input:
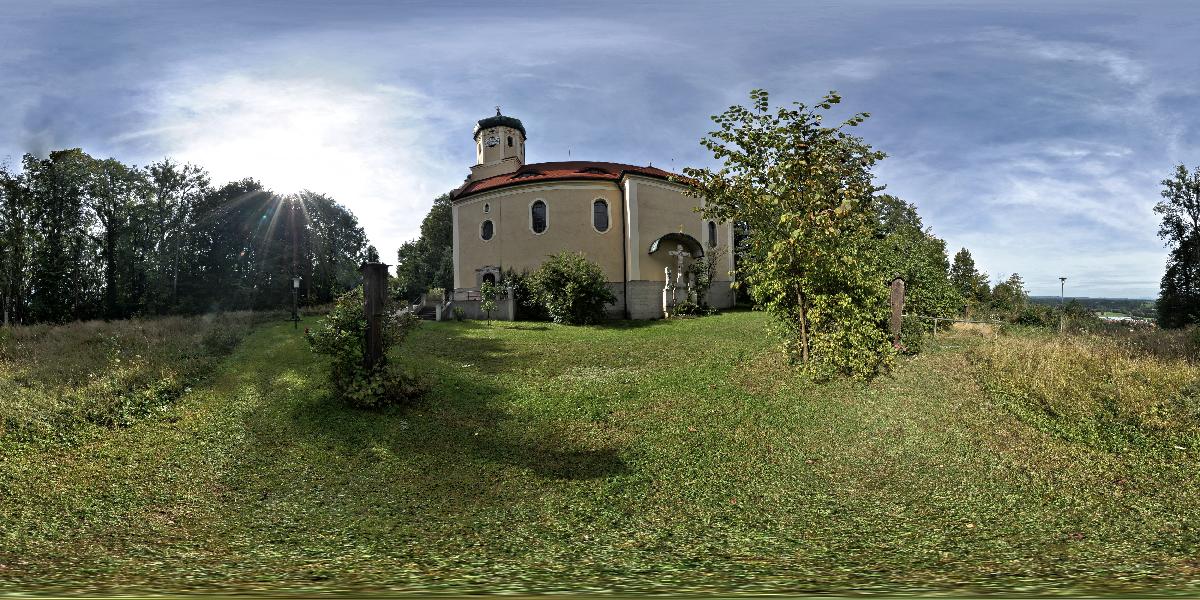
{"x": 1105, "y": 391}
{"x": 679, "y": 456}
{"x": 58, "y": 380}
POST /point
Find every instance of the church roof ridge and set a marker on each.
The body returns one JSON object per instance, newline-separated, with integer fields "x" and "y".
{"x": 562, "y": 171}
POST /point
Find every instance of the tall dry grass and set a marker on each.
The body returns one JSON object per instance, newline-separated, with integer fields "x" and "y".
{"x": 54, "y": 380}
{"x": 1112, "y": 393}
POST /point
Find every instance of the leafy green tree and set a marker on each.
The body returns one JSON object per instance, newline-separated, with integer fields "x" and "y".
{"x": 115, "y": 192}
{"x": 428, "y": 261}
{"x": 572, "y": 288}
{"x": 337, "y": 246}
{"x": 16, "y": 245}
{"x": 1010, "y": 295}
{"x": 64, "y": 259}
{"x": 970, "y": 284}
{"x": 911, "y": 251}
{"x": 1179, "y": 291}
{"x": 805, "y": 193}
{"x": 174, "y": 191}
{"x": 488, "y": 292}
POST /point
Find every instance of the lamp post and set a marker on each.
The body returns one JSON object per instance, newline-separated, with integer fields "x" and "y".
{"x": 1062, "y": 315}
{"x": 295, "y": 302}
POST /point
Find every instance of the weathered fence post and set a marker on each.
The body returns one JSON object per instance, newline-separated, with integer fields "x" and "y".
{"x": 374, "y": 299}
{"x": 897, "y": 301}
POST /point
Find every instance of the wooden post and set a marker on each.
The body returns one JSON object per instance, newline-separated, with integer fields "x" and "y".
{"x": 374, "y": 300}
{"x": 897, "y": 301}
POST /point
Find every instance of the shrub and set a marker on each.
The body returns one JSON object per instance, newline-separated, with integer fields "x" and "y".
{"x": 488, "y": 292}
{"x": 572, "y": 288}
{"x": 527, "y": 305}
{"x": 459, "y": 313}
{"x": 342, "y": 336}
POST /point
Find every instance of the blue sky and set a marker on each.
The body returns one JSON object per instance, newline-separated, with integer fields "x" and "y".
{"x": 1033, "y": 133}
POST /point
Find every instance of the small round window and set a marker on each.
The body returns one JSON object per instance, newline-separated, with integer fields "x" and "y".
{"x": 486, "y": 230}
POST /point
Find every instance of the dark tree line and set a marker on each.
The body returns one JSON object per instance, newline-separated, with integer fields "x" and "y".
{"x": 83, "y": 238}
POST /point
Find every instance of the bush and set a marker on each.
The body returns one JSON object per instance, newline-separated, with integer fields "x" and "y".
{"x": 459, "y": 313}
{"x": 527, "y": 305}
{"x": 572, "y": 288}
{"x": 342, "y": 336}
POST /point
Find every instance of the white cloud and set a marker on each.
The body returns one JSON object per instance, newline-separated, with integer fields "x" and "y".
{"x": 373, "y": 148}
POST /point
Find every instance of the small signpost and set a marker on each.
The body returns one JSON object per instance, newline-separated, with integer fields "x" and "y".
{"x": 374, "y": 300}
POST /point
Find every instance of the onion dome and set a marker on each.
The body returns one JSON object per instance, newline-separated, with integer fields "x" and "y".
{"x": 500, "y": 121}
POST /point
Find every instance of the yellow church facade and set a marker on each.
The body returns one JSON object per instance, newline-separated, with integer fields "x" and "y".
{"x": 638, "y": 225}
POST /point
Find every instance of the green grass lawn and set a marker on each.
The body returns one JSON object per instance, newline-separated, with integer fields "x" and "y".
{"x": 657, "y": 456}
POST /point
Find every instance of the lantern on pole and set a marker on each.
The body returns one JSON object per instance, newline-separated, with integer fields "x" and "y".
{"x": 296, "y": 302}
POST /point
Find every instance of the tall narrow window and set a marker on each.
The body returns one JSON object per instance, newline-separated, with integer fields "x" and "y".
{"x": 486, "y": 229}
{"x": 537, "y": 213}
{"x": 712, "y": 234}
{"x": 510, "y": 141}
{"x": 600, "y": 215}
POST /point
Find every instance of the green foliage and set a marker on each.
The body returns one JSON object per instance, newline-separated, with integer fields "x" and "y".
{"x": 459, "y": 313}
{"x": 428, "y": 261}
{"x": 1179, "y": 291}
{"x": 703, "y": 272}
{"x": 972, "y": 285}
{"x": 1009, "y": 297}
{"x": 572, "y": 288}
{"x": 805, "y": 193}
{"x": 528, "y": 307}
{"x": 82, "y": 237}
{"x": 911, "y": 251}
{"x": 341, "y": 335}
{"x": 488, "y": 293}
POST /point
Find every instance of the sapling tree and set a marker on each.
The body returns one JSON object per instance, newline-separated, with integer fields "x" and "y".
{"x": 488, "y": 292}
{"x": 804, "y": 192}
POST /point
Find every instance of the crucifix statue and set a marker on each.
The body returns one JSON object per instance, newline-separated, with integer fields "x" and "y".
{"x": 679, "y": 253}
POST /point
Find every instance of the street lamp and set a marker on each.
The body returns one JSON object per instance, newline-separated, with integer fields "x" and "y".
{"x": 1062, "y": 315}
{"x": 295, "y": 302}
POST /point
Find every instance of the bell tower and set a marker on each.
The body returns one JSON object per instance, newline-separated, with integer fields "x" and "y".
{"x": 499, "y": 146}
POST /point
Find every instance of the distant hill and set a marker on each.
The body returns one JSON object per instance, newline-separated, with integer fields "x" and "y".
{"x": 1134, "y": 307}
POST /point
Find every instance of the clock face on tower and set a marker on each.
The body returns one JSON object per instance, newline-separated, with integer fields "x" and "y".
{"x": 491, "y": 141}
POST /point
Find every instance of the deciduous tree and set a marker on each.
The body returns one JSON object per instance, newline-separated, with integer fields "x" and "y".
{"x": 1179, "y": 291}
{"x": 804, "y": 191}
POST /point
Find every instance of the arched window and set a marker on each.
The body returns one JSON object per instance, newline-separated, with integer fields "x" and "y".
{"x": 489, "y": 278}
{"x": 537, "y": 215}
{"x": 712, "y": 234}
{"x": 510, "y": 141}
{"x": 487, "y": 208}
{"x": 486, "y": 230}
{"x": 600, "y": 215}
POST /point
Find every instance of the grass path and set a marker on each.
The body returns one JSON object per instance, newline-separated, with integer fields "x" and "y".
{"x": 657, "y": 456}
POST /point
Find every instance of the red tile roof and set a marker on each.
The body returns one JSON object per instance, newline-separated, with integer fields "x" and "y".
{"x": 560, "y": 171}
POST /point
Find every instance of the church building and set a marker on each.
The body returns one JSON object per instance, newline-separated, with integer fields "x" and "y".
{"x": 637, "y": 224}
